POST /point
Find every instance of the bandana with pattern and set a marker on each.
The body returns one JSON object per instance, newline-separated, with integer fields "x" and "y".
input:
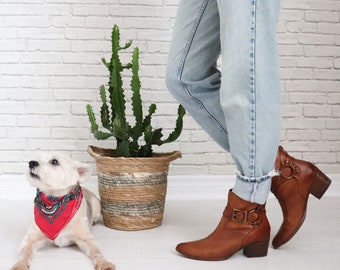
{"x": 52, "y": 214}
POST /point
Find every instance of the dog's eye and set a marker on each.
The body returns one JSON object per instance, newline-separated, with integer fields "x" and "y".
{"x": 54, "y": 162}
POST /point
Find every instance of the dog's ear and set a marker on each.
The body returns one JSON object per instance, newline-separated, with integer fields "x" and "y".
{"x": 84, "y": 171}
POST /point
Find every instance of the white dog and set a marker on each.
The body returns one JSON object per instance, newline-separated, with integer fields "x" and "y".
{"x": 63, "y": 210}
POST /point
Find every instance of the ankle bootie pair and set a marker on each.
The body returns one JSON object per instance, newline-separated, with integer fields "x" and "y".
{"x": 244, "y": 225}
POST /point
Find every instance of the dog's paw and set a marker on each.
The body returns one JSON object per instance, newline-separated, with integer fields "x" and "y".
{"x": 20, "y": 266}
{"x": 105, "y": 265}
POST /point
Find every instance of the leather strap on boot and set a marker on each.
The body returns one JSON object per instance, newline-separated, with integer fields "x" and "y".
{"x": 252, "y": 217}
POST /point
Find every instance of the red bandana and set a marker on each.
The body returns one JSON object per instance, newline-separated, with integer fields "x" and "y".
{"x": 52, "y": 214}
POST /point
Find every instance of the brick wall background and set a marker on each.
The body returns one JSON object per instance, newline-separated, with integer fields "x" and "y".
{"x": 50, "y": 68}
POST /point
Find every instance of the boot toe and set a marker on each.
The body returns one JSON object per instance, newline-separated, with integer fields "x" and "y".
{"x": 187, "y": 250}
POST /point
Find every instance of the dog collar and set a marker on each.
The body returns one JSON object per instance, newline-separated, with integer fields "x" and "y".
{"x": 52, "y": 214}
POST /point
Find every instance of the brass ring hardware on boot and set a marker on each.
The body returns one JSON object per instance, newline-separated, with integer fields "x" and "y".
{"x": 294, "y": 170}
{"x": 245, "y": 218}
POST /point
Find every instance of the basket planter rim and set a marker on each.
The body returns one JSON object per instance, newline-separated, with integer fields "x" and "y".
{"x": 99, "y": 153}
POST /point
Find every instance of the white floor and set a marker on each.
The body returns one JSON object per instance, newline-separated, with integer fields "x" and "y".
{"x": 315, "y": 247}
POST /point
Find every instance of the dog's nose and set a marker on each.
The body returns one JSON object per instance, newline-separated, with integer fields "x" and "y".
{"x": 33, "y": 164}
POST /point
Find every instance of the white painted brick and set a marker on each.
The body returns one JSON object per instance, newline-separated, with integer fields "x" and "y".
{"x": 44, "y": 108}
{"x": 330, "y": 135}
{"x": 29, "y": 132}
{"x": 41, "y": 57}
{"x": 68, "y": 21}
{"x": 291, "y": 110}
{"x": 49, "y": 45}
{"x": 67, "y": 82}
{"x": 334, "y": 98}
{"x": 328, "y": 28}
{"x": 319, "y": 51}
{"x": 12, "y": 45}
{"x": 310, "y": 135}
{"x": 3, "y": 134}
{"x": 312, "y": 39}
{"x": 73, "y": 94}
{"x": 3, "y": 94}
{"x": 40, "y": 33}
{"x": 66, "y": 133}
{"x": 89, "y": 46}
{"x": 50, "y": 68}
{"x": 321, "y": 16}
{"x": 296, "y": 73}
{"x": 323, "y": 74}
{"x": 26, "y": 21}
{"x": 81, "y": 58}
{"x": 301, "y": 86}
{"x": 54, "y": 9}
{"x": 317, "y": 98}
{"x": 317, "y": 111}
{"x": 84, "y": 34}
{"x": 30, "y": 94}
{"x": 335, "y": 111}
{"x": 90, "y": 10}
{"x": 34, "y": 82}
{"x": 315, "y": 62}
{"x": 333, "y": 124}
{"x": 301, "y": 27}
{"x": 290, "y": 50}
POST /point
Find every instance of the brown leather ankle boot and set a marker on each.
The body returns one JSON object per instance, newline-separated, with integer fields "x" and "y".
{"x": 297, "y": 179}
{"x": 244, "y": 225}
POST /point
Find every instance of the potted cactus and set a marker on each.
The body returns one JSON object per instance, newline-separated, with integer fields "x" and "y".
{"x": 132, "y": 179}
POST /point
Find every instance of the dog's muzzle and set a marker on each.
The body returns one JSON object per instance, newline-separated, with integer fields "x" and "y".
{"x": 33, "y": 164}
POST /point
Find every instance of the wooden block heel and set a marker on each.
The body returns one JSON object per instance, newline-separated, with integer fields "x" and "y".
{"x": 258, "y": 249}
{"x": 320, "y": 184}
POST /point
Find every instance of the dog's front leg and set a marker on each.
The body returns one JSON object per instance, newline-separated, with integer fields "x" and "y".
{"x": 90, "y": 248}
{"x": 32, "y": 241}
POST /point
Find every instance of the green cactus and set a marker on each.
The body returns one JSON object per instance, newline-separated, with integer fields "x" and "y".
{"x": 132, "y": 141}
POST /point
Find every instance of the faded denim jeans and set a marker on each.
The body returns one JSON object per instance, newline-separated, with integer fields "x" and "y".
{"x": 238, "y": 105}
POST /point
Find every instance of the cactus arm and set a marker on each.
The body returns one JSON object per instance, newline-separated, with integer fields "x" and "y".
{"x": 147, "y": 119}
{"x": 105, "y": 63}
{"x": 117, "y": 97}
{"x": 137, "y": 106}
{"x": 127, "y": 44}
{"x": 178, "y": 128}
{"x": 104, "y": 111}
{"x": 94, "y": 127}
{"x": 92, "y": 118}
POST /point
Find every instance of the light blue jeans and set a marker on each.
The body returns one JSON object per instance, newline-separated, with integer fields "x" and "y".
{"x": 238, "y": 105}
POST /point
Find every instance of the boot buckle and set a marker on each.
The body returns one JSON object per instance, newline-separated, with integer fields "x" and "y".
{"x": 244, "y": 216}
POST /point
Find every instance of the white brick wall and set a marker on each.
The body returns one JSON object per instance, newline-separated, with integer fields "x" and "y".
{"x": 50, "y": 68}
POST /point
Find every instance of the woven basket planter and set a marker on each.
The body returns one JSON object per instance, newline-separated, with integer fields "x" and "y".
{"x": 132, "y": 190}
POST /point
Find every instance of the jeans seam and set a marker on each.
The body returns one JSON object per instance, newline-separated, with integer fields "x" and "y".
{"x": 182, "y": 63}
{"x": 253, "y": 91}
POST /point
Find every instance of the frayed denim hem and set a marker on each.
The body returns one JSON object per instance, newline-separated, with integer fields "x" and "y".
{"x": 256, "y": 179}
{"x": 254, "y": 189}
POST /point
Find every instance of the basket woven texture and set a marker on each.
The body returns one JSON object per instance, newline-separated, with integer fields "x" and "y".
{"x": 132, "y": 190}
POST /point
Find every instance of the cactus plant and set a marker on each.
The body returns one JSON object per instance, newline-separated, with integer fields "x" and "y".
{"x": 136, "y": 140}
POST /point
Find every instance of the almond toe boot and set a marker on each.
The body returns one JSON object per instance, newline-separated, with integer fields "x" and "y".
{"x": 296, "y": 180}
{"x": 244, "y": 225}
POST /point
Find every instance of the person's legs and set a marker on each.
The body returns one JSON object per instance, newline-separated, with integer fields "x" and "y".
{"x": 192, "y": 74}
{"x": 236, "y": 105}
{"x": 250, "y": 91}
{"x": 242, "y": 114}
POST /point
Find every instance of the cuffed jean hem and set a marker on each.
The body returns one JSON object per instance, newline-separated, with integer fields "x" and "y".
{"x": 254, "y": 189}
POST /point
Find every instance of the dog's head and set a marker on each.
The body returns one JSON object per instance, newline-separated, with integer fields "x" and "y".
{"x": 55, "y": 171}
